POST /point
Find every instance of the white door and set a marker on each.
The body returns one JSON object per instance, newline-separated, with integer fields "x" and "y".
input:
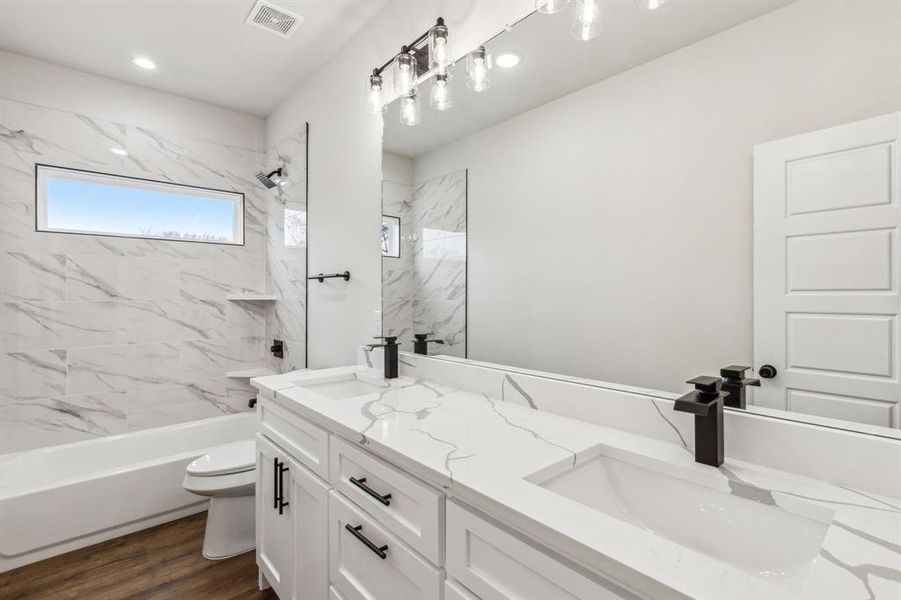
{"x": 826, "y": 271}
{"x": 275, "y": 531}
{"x": 309, "y": 505}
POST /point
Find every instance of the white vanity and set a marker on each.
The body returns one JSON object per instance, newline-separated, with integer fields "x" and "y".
{"x": 412, "y": 488}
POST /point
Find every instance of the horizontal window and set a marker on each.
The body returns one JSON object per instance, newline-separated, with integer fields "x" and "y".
{"x": 73, "y": 201}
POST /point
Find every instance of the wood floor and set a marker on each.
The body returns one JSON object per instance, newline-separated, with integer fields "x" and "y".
{"x": 159, "y": 563}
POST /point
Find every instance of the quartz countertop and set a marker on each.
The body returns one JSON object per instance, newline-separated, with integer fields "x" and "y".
{"x": 484, "y": 451}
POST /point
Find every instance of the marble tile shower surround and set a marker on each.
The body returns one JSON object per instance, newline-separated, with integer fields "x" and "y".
{"x": 286, "y": 263}
{"x": 863, "y": 462}
{"x": 425, "y": 289}
{"x": 104, "y": 335}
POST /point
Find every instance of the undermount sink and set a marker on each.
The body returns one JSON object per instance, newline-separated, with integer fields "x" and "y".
{"x": 770, "y": 535}
{"x": 345, "y": 385}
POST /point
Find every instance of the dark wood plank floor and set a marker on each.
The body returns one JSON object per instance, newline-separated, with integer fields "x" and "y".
{"x": 159, "y": 563}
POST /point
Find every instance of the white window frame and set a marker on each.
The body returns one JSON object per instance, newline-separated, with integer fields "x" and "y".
{"x": 42, "y": 172}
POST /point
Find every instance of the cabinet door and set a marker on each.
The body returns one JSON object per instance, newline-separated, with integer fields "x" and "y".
{"x": 309, "y": 505}
{"x": 275, "y": 532}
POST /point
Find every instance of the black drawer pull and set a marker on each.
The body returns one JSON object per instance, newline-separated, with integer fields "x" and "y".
{"x": 361, "y": 483}
{"x": 380, "y": 551}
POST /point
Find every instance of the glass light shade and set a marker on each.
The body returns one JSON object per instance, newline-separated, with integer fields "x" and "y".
{"x": 550, "y": 7}
{"x": 375, "y": 101}
{"x": 440, "y": 54}
{"x": 478, "y": 64}
{"x": 587, "y": 24}
{"x": 440, "y": 98}
{"x": 410, "y": 114}
{"x": 405, "y": 74}
{"x": 651, "y": 4}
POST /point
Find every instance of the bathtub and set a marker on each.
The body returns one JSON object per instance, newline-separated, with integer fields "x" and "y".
{"x": 53, "y": 500}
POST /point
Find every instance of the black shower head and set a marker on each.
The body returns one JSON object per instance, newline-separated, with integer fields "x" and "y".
{"x": 272, "y": 179}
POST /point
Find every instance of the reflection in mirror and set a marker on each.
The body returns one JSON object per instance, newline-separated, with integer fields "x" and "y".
{"x": 424, "y": 257}
{"x": 711, "y": 184}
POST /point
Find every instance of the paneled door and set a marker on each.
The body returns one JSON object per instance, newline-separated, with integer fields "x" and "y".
{"x": 826, "y": 272}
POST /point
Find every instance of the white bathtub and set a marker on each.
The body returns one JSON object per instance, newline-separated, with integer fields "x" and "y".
{"x": 53, "y": 500}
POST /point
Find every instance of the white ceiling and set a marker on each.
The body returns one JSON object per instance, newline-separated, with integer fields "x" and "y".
{"x": 554, "y": 64}
{"x": 203, "y": 48}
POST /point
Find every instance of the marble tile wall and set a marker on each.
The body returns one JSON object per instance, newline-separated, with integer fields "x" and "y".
{"x": 425, "y": 289}
{"x": 286, "y": 251}
{"x": 103, "y": 335}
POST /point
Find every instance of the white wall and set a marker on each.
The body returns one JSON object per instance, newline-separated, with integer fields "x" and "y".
{"x": 53, "y": 86}
{"x": 398, "y": 169}
{"x": 610, "y": 230}
{"x": 345, "y": 163}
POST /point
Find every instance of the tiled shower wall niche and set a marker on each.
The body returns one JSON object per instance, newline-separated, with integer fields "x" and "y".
{"x": 104, "y": 335}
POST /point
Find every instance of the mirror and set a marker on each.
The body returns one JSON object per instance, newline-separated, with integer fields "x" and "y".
{"x": 708, "y": 184}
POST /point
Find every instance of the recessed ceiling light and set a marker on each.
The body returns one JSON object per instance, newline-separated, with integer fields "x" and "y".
{"x": 507, "y": 60}
{"x": 143, "y": 62}
{"x": 118, "y": 151}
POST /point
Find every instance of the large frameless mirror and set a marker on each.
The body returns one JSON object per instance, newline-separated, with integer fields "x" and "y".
{"x": 698, "y": 186}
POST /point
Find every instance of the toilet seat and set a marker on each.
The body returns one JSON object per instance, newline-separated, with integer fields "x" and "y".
{"x": 228, "y": 459}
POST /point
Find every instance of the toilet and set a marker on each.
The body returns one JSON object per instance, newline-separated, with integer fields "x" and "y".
{"x": 227, "y": 475}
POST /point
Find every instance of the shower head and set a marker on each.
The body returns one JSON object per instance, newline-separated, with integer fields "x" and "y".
{"x": 272, "y": 179}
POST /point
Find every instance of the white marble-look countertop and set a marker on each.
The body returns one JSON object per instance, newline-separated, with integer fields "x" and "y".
{"x": 482, "y": 449}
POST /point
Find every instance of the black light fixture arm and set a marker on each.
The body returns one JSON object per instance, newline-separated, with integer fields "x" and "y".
{"x": 407, "y": 47}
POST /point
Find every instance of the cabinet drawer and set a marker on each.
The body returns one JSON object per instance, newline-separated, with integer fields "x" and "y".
{"x": 305, "y": 442}
{"x": 455, "y": 591}
{"x": 358, "y": 573}
{"x": 497, "y": 566}
{"x": 414, "y": 512}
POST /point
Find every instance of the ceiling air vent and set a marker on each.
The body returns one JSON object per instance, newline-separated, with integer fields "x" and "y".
{"x": 273, "y": 19}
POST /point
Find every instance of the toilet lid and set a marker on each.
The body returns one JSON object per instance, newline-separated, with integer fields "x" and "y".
{"x": 223, "y": 460}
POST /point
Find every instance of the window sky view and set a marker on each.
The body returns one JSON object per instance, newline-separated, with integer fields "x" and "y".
{"x": 76, "y": 205}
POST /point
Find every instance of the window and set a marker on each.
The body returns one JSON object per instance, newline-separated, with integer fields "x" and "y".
{"x": 74, "y": 201}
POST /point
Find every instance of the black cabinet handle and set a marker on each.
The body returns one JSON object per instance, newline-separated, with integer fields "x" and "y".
{"x": 281, "y": 489}
{"x": 275, "y": 471}
{"x": 378, "y": 550}
{"x": 361, "y": 483}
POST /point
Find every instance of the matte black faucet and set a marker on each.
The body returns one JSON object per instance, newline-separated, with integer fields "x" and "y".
{"x": 391, "y": 357}
{"x": 706, "y": 404}
{"x": 421, "y": 343}
{"x": 734, "y": 384}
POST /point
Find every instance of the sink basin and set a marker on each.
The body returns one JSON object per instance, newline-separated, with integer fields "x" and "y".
{"x": 345, "y": 385}
{"x": 769, "y": 535}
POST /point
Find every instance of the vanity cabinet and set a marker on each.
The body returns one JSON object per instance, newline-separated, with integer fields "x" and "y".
{"x": 335, "y": 522}
{"x": 292, "y": 525}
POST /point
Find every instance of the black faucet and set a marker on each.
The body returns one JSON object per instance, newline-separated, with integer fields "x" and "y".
{"x": 706, "y": 404}
{"x": 734, "y": 384}
{"x": 391, "y": 357}
{"x": 421, "y": 343}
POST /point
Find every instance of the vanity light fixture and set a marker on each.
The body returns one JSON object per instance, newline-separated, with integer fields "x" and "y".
{"x": 478, "y": 63}
{"x": 410, "y": 114}
{"x": 441, "y": 93}
{"x": 143, "y": 62}
{"x": 508, "y": 60}
{"x": 550, "y": 7}
{"x": 118, "y": 151}
{"x": 429, "y": 53}
{"x": 587, "y": 24}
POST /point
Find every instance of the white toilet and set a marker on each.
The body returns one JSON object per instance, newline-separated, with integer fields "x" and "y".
{"x": 227, "y": 475}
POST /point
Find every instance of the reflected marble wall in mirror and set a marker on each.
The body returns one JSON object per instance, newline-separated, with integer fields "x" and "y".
{"x": 710, "y": 184}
